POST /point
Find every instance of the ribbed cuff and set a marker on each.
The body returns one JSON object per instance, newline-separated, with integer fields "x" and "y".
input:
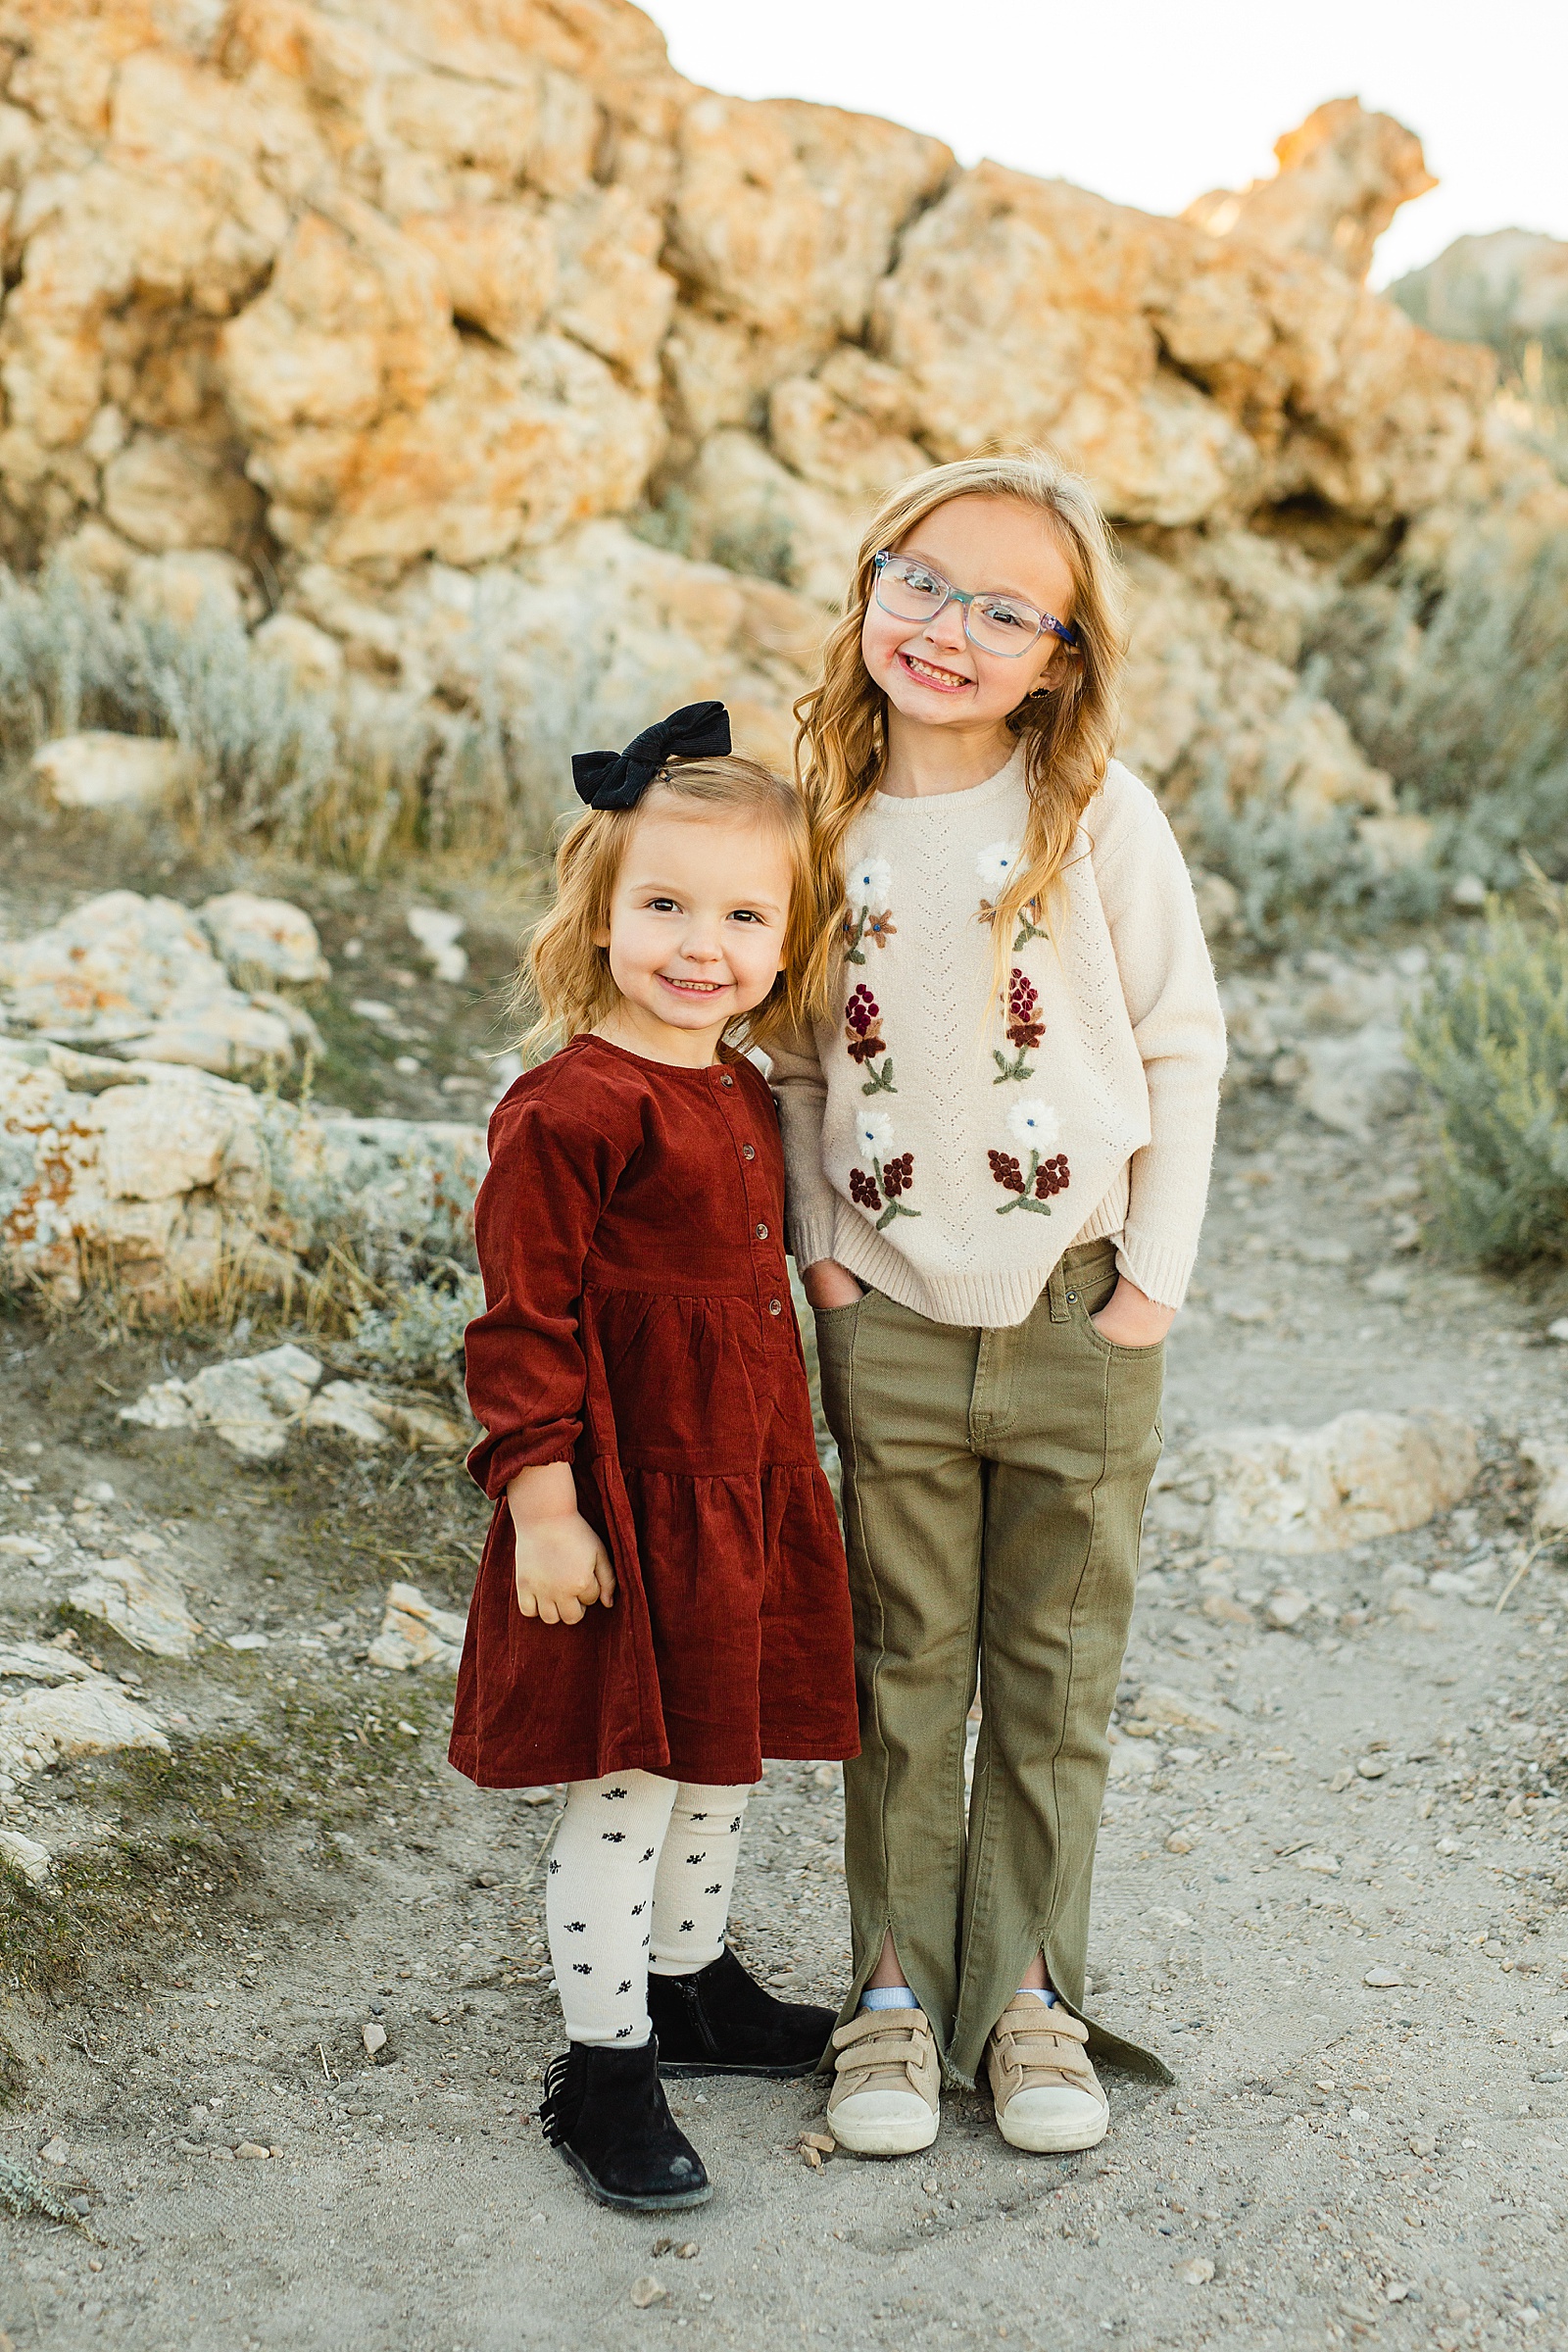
{"x": 1159, "y": 1270}
{"x": 811, "y": 1235}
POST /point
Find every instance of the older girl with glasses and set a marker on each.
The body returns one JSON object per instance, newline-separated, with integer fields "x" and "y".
{"x": 997, "y": 1151}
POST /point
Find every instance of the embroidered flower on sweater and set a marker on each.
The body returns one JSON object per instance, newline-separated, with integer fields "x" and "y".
{"x": 892, "y": 1173}
{"x": 1025, "y": 1029}
{"x": 868, "y": 886}
{"x": 1036, "y": 1127}
{"x": 994, "y": 865}
{"x": 867, "y": 1044}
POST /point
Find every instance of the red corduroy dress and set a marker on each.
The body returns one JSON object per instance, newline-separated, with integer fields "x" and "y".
{"x": 638, "y": 1325}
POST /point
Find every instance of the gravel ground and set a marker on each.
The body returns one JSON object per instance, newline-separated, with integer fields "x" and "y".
{"x": 1338, "y": 2159}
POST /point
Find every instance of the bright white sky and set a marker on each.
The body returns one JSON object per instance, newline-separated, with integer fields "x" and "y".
{"x": 1154, "y": 102}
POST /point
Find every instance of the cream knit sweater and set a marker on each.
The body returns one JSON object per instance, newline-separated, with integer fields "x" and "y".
{"x": 948, "y": 1160}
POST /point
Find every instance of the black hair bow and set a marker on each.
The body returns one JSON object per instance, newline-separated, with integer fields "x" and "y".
{"x": 619, "y": 779}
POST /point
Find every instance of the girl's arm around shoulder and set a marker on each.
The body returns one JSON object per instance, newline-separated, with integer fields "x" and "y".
{"x": 800, "y": 1090}
{"x": 1173, "y": 1004}
{"x": 557, "y": 1155}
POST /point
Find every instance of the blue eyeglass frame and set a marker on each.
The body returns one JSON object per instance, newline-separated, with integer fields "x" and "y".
{"x": 1064, "y": 631}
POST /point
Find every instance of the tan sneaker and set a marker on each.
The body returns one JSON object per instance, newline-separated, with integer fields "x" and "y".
{"x": 1048, "y": 2095}
{"x": 885, "y": 2100}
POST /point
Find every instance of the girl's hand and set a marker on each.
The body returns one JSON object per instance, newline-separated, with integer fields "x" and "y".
{"x": 562, "y": 1567}
{"x": 1130, "y": 1318}
{"x": 828, "y": 1284}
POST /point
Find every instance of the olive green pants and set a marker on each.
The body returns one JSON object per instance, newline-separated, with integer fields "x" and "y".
{"x": 993, "y": 1487}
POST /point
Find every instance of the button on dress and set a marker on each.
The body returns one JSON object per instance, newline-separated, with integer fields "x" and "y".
{"x": 638, "y": 1326}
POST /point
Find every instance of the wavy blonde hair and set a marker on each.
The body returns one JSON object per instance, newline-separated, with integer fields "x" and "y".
{"x": 564, "y": 985}
{"x": 1068, "y": 731}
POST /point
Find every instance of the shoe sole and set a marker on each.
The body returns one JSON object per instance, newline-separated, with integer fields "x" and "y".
{"x": 1060, "y": 2143}
{"x": 606, "y": 2196}
{"x": 693, "y": 2070}
{"x": 889, "y": 2138}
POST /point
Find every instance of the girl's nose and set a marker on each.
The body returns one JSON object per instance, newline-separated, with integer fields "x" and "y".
{"x": 945, "y": 629}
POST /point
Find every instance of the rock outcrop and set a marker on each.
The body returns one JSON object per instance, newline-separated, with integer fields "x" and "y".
{"x": 180, "y": 1186}
{"x": 526, "y": 375}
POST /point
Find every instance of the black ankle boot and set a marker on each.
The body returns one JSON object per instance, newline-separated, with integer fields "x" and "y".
{"x": 718, "y": 2021}
{"x": 605, "y": 2110}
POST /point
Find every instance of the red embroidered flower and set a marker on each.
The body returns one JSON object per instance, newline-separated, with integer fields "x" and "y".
{"x": 1024, "y": 1029}
{"x": 862, "y": 1189}
{"x": 1007, "y": 1171}
{"x": 1052, "y": 1178}
{"x": 863, "y": 1011}
{"x": 898, "y": 1174}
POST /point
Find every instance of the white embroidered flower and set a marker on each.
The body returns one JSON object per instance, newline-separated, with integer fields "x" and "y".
{"x": 995, "y": 864}
{"x": 873, "y": 1134}
{"x": 869, "y": 884}
{"x": 1035, "y": 1125}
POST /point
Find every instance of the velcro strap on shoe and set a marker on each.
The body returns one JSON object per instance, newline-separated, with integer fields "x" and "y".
{"x": 873, "y": 2025}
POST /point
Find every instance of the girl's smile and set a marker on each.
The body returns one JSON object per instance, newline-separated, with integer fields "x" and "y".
{"x": 926, "y": 673}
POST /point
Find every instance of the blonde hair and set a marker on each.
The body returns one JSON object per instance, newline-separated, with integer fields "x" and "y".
{"x": 1068, "y": 732}
{"x": 565, "y": 983}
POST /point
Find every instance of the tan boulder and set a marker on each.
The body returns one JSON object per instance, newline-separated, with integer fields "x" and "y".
{"x": 515, "y": 447}
{"x": 1204, "y": 705}
{"x": 497, "y": 263}
{"x": 588, "y": 639}
{"x": 100, "y": 769}
{"x": 145, "y": 1605}
{"x": 748, "y": 511}
{"x": 611, "y": 294}
{"x": 1359, "y": 1476}
{"x": 784, "y": 213}
{"x": 265, "y": 942}
{"x": 1304, "y": 382}
{"x": 193, "y": 587}
{"x": 1053, "y": 287}
{"x": 836, "y": 445}
{"x": 415, "y": 1632}
{"x": 1343, "y": 175}
{"x": 165, "y": 491}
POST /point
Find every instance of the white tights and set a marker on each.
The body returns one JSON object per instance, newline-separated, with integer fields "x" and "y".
{"x": 639, "y": 1877}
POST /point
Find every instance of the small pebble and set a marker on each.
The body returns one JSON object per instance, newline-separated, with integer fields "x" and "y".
{"x": 1382, "y": 1978}
{"x": 1196, "y": 2271}
{"x": 647, "y": 2291}
{"x": 374, "y": 2035}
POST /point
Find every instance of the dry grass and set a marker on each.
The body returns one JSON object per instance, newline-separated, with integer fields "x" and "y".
{"x": 333, "y": 780}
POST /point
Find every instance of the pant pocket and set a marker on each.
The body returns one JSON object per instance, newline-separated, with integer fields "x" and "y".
{"x": 835, "y": 1328}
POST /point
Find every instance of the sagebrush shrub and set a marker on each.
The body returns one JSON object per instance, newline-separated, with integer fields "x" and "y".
{"x": 343, "y": 778}
{"x": 419, "y": 1336}
{"x": 1490, "y": 1039}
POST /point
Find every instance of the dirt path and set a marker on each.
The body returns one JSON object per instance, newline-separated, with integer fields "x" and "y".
{"x": 1381, "y": 2162}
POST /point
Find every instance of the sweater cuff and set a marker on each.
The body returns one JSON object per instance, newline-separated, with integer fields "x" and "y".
{"x": 810, "y": 1232}
{"x": 1160, "y": 1271}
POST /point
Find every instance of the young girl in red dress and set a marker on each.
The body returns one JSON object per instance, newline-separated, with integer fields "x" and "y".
{"x": 662, "y": 1598}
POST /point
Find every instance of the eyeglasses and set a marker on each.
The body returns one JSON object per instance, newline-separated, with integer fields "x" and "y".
{"x": 997, "y": 624}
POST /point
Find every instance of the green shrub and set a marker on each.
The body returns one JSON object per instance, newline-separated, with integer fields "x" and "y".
{"x": 419, "y": 1335}
{"x": 1293, "y": 877}
{"x": 317, "y": 775}
{"x": 1490, "y": 1039}
{"x": 1453, "y": 674}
